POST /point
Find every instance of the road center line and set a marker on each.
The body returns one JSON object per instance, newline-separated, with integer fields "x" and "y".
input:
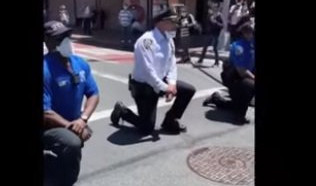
{"x": 162, "y": 103}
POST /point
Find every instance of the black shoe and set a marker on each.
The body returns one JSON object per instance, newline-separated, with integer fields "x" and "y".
{"x": 173, "y": 127}
{"x": 215, "y": 65}
{"x": 187, "y": 60}
{"x": 200, "y": 61}
{"x": 241, "y": 120}
{"x": 117, "y": 113}
{"x": 211, "y": 99}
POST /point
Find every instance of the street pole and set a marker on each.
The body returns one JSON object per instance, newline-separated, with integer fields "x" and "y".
{"x": 149, "y": 14}
{"x": 75, "y": 12}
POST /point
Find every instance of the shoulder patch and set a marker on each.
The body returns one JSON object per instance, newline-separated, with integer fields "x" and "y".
{"x": 239, "y": 50}
{"x": 147, "y": 43}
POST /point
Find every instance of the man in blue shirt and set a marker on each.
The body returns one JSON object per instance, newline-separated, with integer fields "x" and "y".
{"x": 67, "y": 79}
{"x": 155, "y": 75}
{"x": 238, "y": 75}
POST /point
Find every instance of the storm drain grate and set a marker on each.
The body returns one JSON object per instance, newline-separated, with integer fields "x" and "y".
{"x": 228, "y": 165}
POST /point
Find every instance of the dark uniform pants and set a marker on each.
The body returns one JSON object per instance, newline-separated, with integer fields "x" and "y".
{"x": 241, "y": 91}
{"x": 146, "y": 100}
{"x": 62, "y": 170}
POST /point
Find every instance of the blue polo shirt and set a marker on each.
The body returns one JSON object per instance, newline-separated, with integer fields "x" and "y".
{"x": 60, "y": 93}
{"x": 242, "y": 54}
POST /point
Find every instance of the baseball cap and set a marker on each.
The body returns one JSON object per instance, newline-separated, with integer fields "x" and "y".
{"x": 55, "y": 29}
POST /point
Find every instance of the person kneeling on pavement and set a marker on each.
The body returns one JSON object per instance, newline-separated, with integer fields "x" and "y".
{"x": 238, "y": 75}
{"x": 155, "y": 75}
{"x": 67, "y": 80}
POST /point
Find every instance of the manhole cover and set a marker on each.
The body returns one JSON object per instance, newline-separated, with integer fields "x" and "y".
{"x": 228, "y": 165}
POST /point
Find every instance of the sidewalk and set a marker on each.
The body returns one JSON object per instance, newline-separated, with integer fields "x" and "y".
{"x": 99, "y": 38}
{"x": 111, "y": 39}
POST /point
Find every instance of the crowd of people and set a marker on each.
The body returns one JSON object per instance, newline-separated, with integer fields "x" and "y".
{"x": 68, "y": 80}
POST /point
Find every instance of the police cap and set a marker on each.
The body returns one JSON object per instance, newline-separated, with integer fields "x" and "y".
{"x": 168, "y": 14}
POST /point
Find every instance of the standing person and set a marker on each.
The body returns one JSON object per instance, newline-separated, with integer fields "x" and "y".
{"x": 186, "y": 22}
{"x": 102, "y": 18}
{"x": 236, "y": 13}
{"x": 94, "y": 18}
{"x": 186, "y": 25}
{"x": 155, "y": 75}
{"x": 139, "y": 17}
{"x": 216, "y": 25}
{"x": 67, "y": 80}
{"x": 87, "y": 24}
{"x": 64, "y": 15}
{"x": 239, "y": 76}
{"x": 125, "y": 17}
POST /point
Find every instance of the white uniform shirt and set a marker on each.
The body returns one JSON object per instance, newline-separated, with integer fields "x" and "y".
{"x": 154, "y": 60}
{"x": 237, "y": 14}
{"x": 45, "y": 50}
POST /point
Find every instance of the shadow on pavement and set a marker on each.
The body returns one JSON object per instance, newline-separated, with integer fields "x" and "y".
{"x": 201, "y": 66}
{"x": 129, "y": 136}
{"x": 220, "y": 115}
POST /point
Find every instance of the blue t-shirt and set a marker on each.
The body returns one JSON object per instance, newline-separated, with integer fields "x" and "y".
{"x": 242, "y": 54}
{"x": 60, "y": 93}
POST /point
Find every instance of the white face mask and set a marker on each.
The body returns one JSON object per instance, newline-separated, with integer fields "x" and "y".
{"x": 65, "y": 48}
{"x": 170, "y": 34}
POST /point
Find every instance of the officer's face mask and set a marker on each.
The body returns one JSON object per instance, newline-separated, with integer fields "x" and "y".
{"x": 65, "y": 48}
{"x": 170, "y": 34}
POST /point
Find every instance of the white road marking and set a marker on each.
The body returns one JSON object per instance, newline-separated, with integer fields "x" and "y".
{"x": 112, "y": 77}
{"x": 162, "y": 103}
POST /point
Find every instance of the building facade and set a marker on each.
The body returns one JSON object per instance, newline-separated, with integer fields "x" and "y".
{"x": 111, "y": 7}
{"x": 150, "y": 7}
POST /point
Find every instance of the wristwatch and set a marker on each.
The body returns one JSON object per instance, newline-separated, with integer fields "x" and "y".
{"x": 84, "y": 118}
